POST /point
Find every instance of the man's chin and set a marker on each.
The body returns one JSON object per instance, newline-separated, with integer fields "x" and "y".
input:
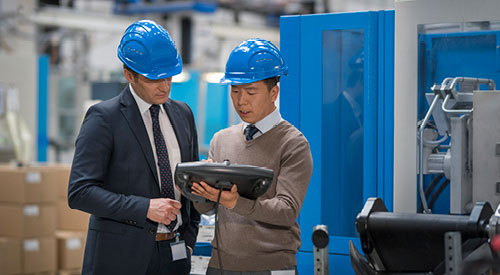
{"x": 162, "y": 101}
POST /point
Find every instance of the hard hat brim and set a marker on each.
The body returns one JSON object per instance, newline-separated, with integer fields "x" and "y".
{"x": 232, "y": 79}
{"x": 237, "y": 81}
{"x": 157, "y": 74}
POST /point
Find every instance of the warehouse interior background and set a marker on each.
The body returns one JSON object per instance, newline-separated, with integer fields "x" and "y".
{"x": 361, "y": 88}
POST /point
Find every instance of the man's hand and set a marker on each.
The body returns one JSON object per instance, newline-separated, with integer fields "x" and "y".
{"x": 228, "y": 199}
{"x": 180, "y": 190}
{"x": 163, "y": 210}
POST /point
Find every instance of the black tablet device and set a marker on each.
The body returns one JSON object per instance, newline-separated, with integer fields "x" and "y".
{"x": 252, "y": 181}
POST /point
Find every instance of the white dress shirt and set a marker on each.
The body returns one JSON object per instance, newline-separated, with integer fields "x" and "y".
{"x": 174, "y": 153}
{"x": 265, "y": 124}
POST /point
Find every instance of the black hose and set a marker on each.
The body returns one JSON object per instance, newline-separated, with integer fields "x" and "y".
{"x": 219, "y": 254}
{"x": 438, "y": 192}
{"x": 429, "y": 189}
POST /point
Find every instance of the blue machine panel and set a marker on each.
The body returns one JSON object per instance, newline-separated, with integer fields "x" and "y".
{"x": 339, "y": 93}
{"x": 216, "y": 112}
{"x": 43, "y": 107}
{"x": 342, "y": 129}
{"x": 188, "y": 91}
{"x": 210, "y": 105}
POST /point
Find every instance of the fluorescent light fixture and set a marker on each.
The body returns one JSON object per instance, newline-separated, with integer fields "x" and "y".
{"x": 213, "y": 77}
{"x": 182, "y": 77}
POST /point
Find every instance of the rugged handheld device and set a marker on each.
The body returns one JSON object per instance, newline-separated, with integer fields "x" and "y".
{"x": 252, "y": 181}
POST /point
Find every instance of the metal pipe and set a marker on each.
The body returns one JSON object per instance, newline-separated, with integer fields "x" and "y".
{"x": 451, "y": 111}
{"x": 434, "y": 142}
{"x": 421, "y": 153}
{"x": 490, "y": 82}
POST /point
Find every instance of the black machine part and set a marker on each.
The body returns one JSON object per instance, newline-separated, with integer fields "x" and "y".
{"x": 252, "y": 181}
{"x": 320, "y": 236}
{"x": 407, "y": 242}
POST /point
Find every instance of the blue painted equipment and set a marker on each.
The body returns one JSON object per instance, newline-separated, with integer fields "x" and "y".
{"x": 253, "y": 60}
{"x": 148, "y": 49}
{"x": 339, "y": 94}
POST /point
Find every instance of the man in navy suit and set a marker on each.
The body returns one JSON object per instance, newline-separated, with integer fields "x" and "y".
{"x": 125, "y": 156}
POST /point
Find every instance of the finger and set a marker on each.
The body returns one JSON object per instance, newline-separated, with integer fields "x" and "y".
{"x": 172, "y": 216}
{"x": 173, "y": 211}
{"x": 196, "y": 186}
{"x": 198, "y": 190}
{"x": 175, "y": 204}
{"x": 206, "y": 186}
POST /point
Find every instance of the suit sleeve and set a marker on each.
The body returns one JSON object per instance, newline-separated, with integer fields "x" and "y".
{"x": 194, "y": 216}
{"x": 86, "y": 192}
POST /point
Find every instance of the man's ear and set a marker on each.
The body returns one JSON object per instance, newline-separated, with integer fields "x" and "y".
{"x": 274, "y": 92}
{"x": 128, "y": 75}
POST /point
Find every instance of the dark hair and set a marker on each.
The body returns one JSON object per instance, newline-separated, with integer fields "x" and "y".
{"x": 271, "y": 82}
{"x": 134, "y": 73}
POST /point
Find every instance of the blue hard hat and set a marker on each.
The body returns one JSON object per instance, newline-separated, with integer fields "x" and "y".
{"x": 148, "y": 49}
{"x": 253, "y": 60}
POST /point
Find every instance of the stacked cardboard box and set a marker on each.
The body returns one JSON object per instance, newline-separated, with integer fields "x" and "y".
{"x": 10, "y": 256}
{"x": 70, "y": 247}
{"x": 28, "y": 215}
{"x": 71, "y": 229}
{"x": 67, "y": 219}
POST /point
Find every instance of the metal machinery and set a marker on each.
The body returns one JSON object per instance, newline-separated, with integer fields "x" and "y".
{"x": 362, "y": 130}
{"x": 404, "y": 243}
{"x": 458, "y": 147}
{"x": 320, "y": 240}
{"x": 16, "y": 137}
{"x": 469, "y": 162}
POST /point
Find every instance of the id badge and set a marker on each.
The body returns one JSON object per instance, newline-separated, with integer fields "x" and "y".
{"x": 178, "y": 249}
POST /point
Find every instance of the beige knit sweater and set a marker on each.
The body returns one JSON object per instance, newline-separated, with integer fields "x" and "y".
{"x": 262, "y": 234}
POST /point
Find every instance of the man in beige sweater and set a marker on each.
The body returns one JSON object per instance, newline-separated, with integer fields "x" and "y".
{"x": 258, "y": 236}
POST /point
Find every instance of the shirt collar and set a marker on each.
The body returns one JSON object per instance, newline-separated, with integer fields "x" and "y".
{"x": 143, "y": 105}
{"x": 268, "y": 122}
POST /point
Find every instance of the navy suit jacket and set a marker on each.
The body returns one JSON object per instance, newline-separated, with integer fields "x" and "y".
{"x": 113, "y": 176}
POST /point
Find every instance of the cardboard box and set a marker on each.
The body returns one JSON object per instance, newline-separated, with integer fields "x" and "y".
{"x": 71, "y": 219}
{"x": 70, "y": 272}
{"x": 59, "y": 174}
{"x": 39, "y": 255}
{"x": 27, "y": 220}
{"x": 28, "y": 184}
{"x": 70, "y": 249}
{"x": 10, "y": 256}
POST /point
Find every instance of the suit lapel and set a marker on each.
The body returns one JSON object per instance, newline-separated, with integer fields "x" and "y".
{"x": 177, "y": 123}
{"x": 131, "y": 113}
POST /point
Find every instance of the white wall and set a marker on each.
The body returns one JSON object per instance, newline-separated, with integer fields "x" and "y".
{"x": 360, "y": 5}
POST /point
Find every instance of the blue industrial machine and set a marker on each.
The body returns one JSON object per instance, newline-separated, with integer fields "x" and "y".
{"x": 210, "y": 105}
{"x": 456, "y": 168}
{"x": 339, "y": 93}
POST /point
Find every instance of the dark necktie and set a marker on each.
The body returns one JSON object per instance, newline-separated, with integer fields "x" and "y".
{"x": 166, "y": 182}
{"x": 250, "y": 130}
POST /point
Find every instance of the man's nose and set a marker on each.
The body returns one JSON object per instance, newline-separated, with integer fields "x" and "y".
{"x": 242, "y": 99}
{"x": 166, "y": 83}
